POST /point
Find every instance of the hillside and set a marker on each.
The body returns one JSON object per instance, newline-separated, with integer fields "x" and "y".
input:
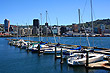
{"x": 98, "y": 22}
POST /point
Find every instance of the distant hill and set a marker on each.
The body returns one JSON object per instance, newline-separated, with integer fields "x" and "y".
{"x": 98, "y": 22}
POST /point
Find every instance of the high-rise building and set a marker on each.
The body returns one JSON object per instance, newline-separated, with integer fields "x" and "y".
{"x": 35, "y": 26}
{"x": 36, "y": 23}
{"x": 6, "y": 25}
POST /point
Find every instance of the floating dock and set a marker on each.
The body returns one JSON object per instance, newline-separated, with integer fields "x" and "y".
{"x": 100, "y": 65}
{"x": 106, "y": 52}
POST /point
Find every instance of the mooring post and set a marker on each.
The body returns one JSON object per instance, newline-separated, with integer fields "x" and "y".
{"x": 38, "y": 49}
{"x": 55, "y": 53}
{"x": 28, "y": 47}
{"x": 87, "y": 59}
{"x": 61, "y": 57}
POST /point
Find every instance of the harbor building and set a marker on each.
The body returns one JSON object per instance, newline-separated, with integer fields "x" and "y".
{"x": 35, "y": 26}
{"x": 6, "y": 25}
{"x": 63, "y": 30}
{"x": 75, "y": 27}
{"x": 55, "y": 30}
{"x": 102, "y": 26}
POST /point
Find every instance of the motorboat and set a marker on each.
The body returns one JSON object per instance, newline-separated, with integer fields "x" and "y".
{"x": 80, "y": 59}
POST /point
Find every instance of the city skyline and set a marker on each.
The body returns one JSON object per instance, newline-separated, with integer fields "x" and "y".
{"x": 24, "y": 11}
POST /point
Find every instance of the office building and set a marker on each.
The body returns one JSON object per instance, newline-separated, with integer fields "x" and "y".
{"x": 35, "y": 26}
{"x": 6, "y": 25}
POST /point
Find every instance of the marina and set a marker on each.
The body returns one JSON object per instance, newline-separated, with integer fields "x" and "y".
{"x": 55, "y": 36}
{"x": 61, "y": 62}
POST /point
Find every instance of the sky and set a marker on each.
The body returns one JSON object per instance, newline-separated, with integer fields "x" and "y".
{"x": 24, "y": 11}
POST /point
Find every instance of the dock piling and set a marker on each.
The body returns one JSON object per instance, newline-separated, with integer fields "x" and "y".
{"x": 38, "y": 49}
{"x": 87, "y": 59}
{"x": 55, "y": 53}
{"x": 61, "y": 57}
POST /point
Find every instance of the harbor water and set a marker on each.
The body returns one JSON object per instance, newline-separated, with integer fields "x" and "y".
{"x": 16, "y": 60}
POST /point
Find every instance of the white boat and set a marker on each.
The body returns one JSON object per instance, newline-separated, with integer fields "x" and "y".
{"x": 80, "y": 59}
{"x": 25, "y": 44}
{"x": 42, "y": 48}
{"x": 68, "y": 53}
{"x": 51, "y": 50}
{"x": 20, "y": 43}
{"x": 32, "y": 46}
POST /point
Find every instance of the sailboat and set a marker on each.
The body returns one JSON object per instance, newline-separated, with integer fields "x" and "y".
{"x": 69, "y": 52}
{"x": 80, "y": 59}
{"x": 42, "y": 45}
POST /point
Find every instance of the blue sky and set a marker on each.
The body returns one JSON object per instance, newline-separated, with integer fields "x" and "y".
{"x": 24, "y": 11}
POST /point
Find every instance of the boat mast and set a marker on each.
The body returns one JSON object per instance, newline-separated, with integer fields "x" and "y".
{"x": 57, "y": 29}
{"x": 28, "y": 32}
{"x": 39, "y": 32}
{"x": 17, "y": 30}
{"x": 46, "y": 27}
{"x": 79, "y": 25}
{"x": 46, "y": 16}
{"x": 92, "y": 17}
{"x": 92, "y": 21}
{"x": 41, "y": 26}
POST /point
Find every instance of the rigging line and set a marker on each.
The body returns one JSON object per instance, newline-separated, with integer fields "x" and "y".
{"x": 43, "y": 20}
{"x": 86, "y": 33}
{"x": 51, "y": 28}
{"x": 94, "y": 14}
{"x": 84, "y": 9}
{"x": 87, "y": 36}
{"x": 57, "y": 30}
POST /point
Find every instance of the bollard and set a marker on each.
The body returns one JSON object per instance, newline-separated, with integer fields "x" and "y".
{"x": 61, "y": 57}
{"x": 55, "y": 53}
